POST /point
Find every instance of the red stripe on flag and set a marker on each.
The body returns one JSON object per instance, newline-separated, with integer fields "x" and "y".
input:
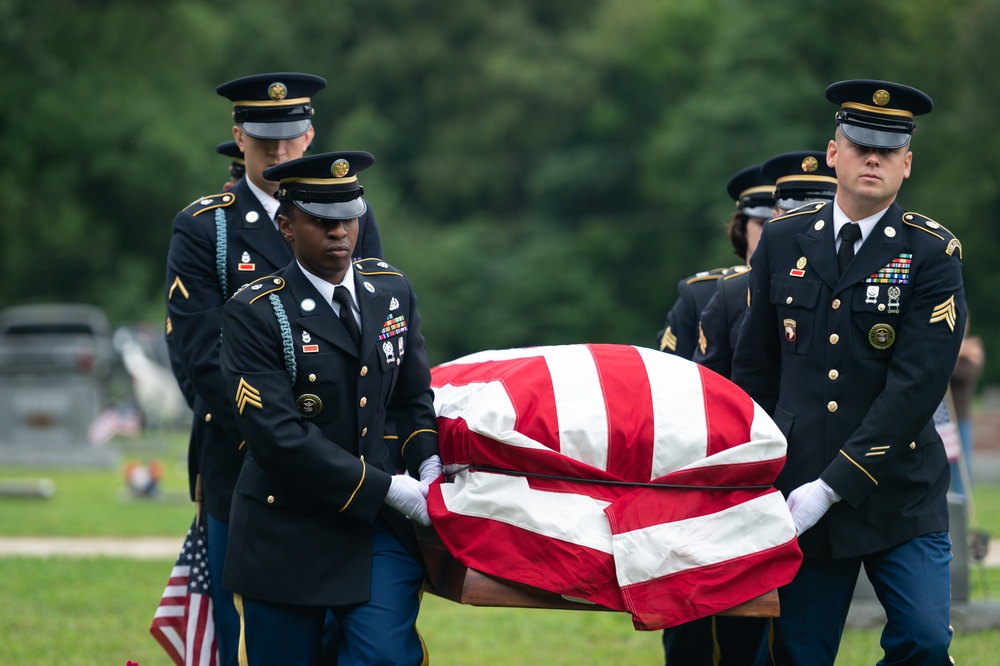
{"x": 629, "y": 408}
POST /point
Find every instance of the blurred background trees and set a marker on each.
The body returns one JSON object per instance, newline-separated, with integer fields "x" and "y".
{"x": 546, "y": 171}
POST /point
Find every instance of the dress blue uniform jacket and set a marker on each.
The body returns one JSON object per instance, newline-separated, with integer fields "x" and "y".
{"x": 680, "y": 333}
{"x": 218, "y": 244}
{"x": 313, "y": 413}
{"x": 852, "y": 368}
{"x": 720, "y": 322}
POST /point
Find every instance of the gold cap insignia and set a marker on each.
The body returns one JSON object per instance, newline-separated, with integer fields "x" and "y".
{"x": 277, "y": 91}
{"x": 881, "y": 97}
{"x": 881, "y": 336}
{"x": 810, "y": 164}
{"x": 340, "y": 168}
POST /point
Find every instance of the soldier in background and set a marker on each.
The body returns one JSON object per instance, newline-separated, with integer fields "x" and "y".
{"x": 753, "y": 196}
{"x": 237, "y": 165}
{"x": 799, "y": 178}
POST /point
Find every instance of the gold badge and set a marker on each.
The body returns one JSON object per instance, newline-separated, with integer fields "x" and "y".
{"x": 881, "y": 97}
{"x": 810, "y": 164}
{"x": 790, "y": 330}
{"x": 309, "y": 405}
{"x": 881, "y": 336}
{"x": 801, "y": 263}
{"x": 277, "y": 91}
{"x": 340, "y": 168}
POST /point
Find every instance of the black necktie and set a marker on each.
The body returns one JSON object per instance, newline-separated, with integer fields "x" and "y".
{"x": 849, "y": 233}
{"x": 343, "y": 296}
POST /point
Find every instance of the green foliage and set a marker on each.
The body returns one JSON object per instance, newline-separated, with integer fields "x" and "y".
{"x": 550, "y": 170}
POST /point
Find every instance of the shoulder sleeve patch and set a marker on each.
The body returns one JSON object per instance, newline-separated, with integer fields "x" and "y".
{"x": 199, "y": 206}
{"x": 375, "y": 267}
{"x": 251, "y": 291}
{"x": 953, "y": 246}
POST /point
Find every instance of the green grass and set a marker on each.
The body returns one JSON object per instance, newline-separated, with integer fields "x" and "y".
{"x": 96, "y": 611}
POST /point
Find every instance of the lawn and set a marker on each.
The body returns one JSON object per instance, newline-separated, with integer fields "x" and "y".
{"x": 92, "y": 611}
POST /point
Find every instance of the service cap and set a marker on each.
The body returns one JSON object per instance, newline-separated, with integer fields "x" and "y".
{"x": 273, "y": 106}
{"x": 800, "y": 177}
{"x": 752, "y": 192}
{"x": 324, "y": 185}
{"x": 878, "y": 114}
{"x": 231, "y": 149}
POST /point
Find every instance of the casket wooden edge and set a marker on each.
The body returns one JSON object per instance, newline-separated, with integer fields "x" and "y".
{"x": 449, "y": 579}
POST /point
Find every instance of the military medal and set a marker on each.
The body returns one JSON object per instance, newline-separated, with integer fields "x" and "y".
{"x": 881, "y": 336}
{"x": 871, "y": 295}
{"x": 389, "y": 351}
{"x": 800, "y": 265}
{"x": 306, "y": 347}
{"x": 893, "y": 300}
{"x": 392, "y": 326}
{"x": 309, "y": 405}
{"x": 245, "y": 264}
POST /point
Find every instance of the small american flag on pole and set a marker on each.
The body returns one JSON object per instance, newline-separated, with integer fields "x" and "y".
{"x": 633, "y": 479}
{"x": 183, "y": 622}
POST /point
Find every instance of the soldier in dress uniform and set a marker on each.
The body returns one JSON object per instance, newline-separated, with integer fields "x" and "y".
{"x": 856, "y": 316}
{"x": 237, "y": 165}
{"x": 719, "y": 641}
{"x": 219, "y": 243}
{"x": 752, "y": 194}
{"x": 799, "y": 178}
{"x": 315, "y": 358}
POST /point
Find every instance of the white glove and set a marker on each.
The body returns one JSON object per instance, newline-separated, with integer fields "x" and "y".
{"x": 809, "y": 502}
{"x": 431, "y": 469}
{"x": 409, "y": 497}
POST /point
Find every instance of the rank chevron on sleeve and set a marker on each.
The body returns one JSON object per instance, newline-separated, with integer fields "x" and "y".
{"x": 945, "y": 312}
{"x": 247, "y": 395}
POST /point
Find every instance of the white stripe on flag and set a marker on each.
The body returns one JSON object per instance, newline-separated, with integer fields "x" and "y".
{"x": 486, "y": 410}
{"x": 660, "y": 550}
{"x": 580, "y": 408}
{"x": 680, "y": 432}
{"x": 576, "y": 519}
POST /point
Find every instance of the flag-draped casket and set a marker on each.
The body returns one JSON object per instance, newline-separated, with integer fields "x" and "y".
{"x": 630, "y": 478}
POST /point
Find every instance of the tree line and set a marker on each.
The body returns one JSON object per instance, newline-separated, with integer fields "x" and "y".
{"x": 545, "y": 172}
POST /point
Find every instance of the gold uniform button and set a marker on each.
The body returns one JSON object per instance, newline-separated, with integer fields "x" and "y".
{"x": 831, "y": 406}
{"x": 364, "y": 401}
{"x": 834, "y": 339}
{"x": 312, "y": 377}
{"x": 789, "y": 300}
{"x": 208, "y": 417}
{"x": 835, "y": 304}
{"x": 364, "y": 431}
{"x": 270, "y": 499}
{"x": 913, "y": 445}
{"x": 833, "y": 374}
{"x": 364, "y": 370}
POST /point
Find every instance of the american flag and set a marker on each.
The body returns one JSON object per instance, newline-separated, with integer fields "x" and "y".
{"x": 183, "y": 622}
{"x": 561, "y": 461}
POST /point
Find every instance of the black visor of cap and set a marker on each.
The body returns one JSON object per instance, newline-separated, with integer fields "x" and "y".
{"x": 276, "y": 130}
{"x": 881, "y": 132}
{"x": 335, "y": 210}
